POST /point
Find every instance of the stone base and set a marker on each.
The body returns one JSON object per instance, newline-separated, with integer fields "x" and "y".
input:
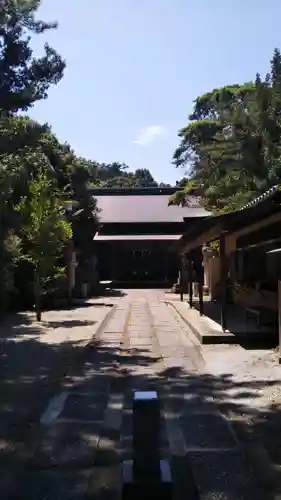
{"x": 208, "y": 331}
{"x": 176, "y": 288}
{"x": 161, "y": 488}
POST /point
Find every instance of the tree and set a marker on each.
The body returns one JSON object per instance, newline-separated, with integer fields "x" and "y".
{"x": 116, "y": 175}
{"x": 232, "y": 144}
{"x": 24, "y": 79}
{"x": 27, "y": 147}
{"x": 45, "y": 231}
{"x": 86, "y": 220}
{"x": 11, "y": 253}
{"x": 144, "y": 178}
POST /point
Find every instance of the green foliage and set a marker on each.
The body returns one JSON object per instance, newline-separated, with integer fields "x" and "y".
{"x": 117, "y": 175}
{"x": 11, "y": 253}
{"x": 44, "y": 227}
{"x": 28, "y": 148}
{"x": 231, "y": 145}
{"x": 180, "y": 197}
{"x": 24, "y": 79}
{"x": 45, "y": 231}
{"x": 37, "y": 172}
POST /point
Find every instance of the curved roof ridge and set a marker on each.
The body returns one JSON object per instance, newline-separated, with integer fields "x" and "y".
{"x": 262, "y": 197}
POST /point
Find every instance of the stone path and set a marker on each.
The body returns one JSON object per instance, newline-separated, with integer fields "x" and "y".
{"x": 87, "y": 426}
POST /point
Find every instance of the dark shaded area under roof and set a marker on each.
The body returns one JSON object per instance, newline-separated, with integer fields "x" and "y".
{"x": 144, "y": 208}
{"x": 128, "y": 191}
{"x": 262, "y": 207}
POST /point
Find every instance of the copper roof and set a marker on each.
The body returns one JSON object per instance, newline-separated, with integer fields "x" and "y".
{"x": 144, "y": 208}
{"x": 137, "y": 237}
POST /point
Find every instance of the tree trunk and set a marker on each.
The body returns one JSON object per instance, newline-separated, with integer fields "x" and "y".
{"x": 37, "y": 296}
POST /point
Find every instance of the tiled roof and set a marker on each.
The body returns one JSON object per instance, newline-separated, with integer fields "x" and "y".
{"x": 143, "y": 208}
{"x": 137, "y": 237}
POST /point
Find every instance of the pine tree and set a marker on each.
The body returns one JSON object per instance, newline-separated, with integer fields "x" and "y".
{"x": 24, "y": 79}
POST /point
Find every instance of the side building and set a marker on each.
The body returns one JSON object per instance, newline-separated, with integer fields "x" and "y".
{"x": 138, "y": 232}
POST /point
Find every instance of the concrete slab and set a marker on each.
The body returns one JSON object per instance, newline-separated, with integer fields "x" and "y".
{"x": 208, "y": 331}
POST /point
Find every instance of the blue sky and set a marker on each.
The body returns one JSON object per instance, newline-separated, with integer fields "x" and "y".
{"x": 135, "y": 66}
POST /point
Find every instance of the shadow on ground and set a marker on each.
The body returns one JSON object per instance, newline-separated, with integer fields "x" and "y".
{"x": 68, "y": 323}
{"x": 31, "y": 372}
{"x": 79, "y": 303}
{"x": 111, "y": 292}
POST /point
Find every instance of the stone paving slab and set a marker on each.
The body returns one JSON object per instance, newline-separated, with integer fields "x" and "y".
{"x": 68, "y": 444}
{"x": 108, "y": 452}
{"x": 173, "y": 363}
{"x": 86, "y": 407}
{"x": 185, "y": 404}
{"x": 140, "y": 345}
{"x": 111, "y": 344}
{"x": 53, "y": 485}
{"x": 92, "y": 381}
{"x": 207, "y": 431}
{"x": 194, "y": 435}
{"x": 222, "y": 476}
{"x": 105, "y": 483}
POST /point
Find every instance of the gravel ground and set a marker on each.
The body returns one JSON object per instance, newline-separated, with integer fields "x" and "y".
{"x": 258, "y": 370}
{"x": 247, "y": 385}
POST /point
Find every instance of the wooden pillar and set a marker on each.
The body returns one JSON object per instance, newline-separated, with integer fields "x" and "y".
{"x": 279, "y": 317}
{"x": 201, "y": 302}
{"x": 113, "y": 262}
{"x": 223, "y": 279}
{"x": 199, "y": 272}
{"x": 181, "y": 278}
{"x": 166, "y": 264}
{"x": 190, "y": 287}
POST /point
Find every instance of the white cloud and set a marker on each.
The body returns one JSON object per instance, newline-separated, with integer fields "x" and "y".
{"x": 148, "y": 134}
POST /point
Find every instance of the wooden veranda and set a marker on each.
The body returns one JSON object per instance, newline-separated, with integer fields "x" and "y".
{"x": 259, "y": 221}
